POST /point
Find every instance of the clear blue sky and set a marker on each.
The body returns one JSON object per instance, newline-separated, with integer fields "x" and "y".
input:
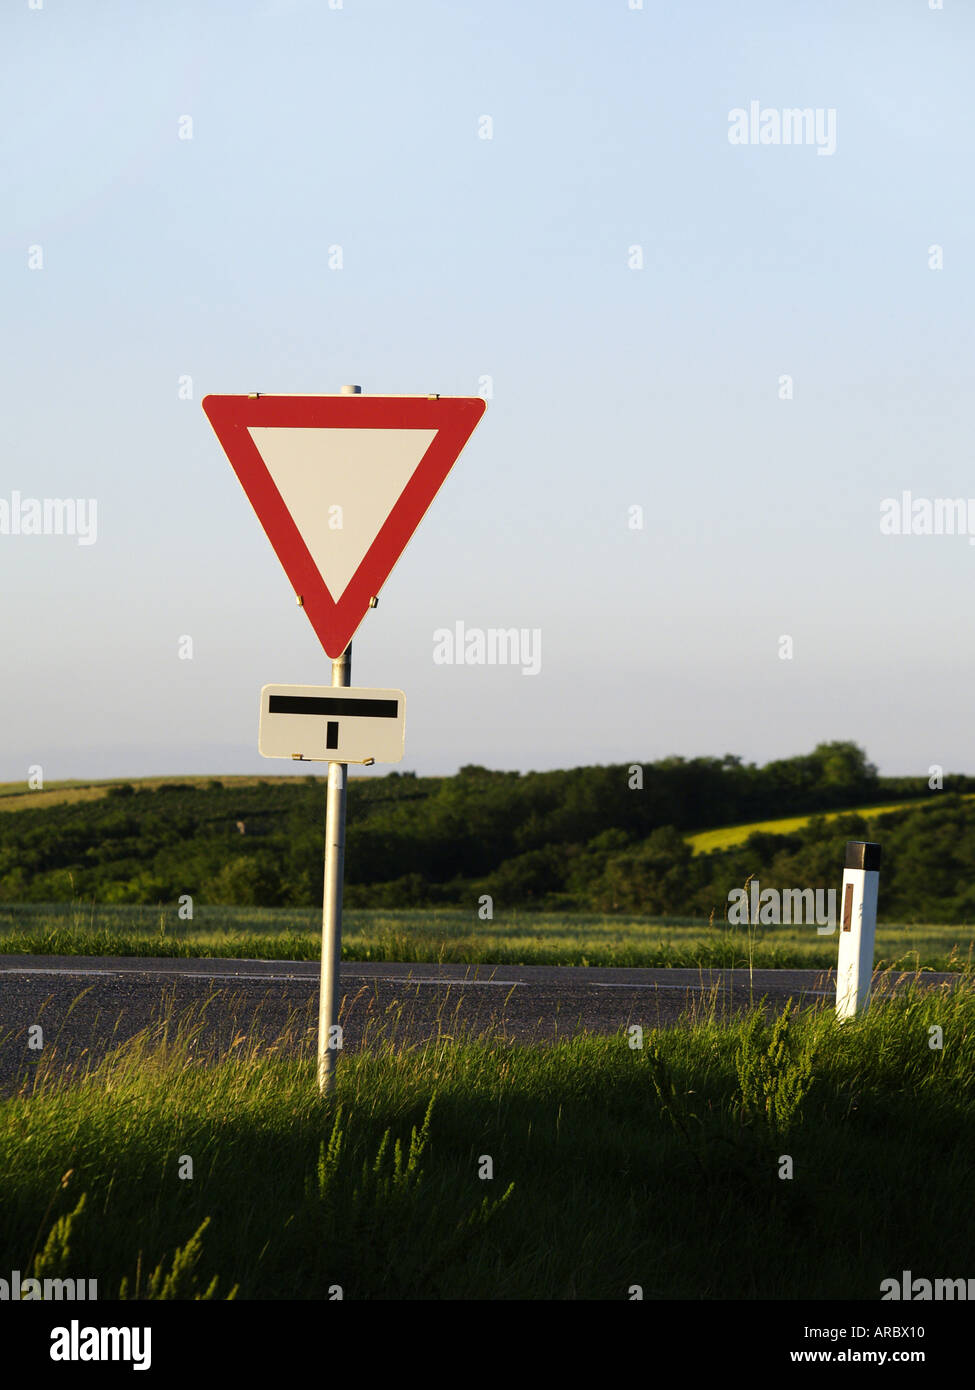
{"x": 507, "y": 258}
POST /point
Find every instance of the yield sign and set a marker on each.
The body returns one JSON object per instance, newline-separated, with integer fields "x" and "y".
{"x": 340, "y": 483}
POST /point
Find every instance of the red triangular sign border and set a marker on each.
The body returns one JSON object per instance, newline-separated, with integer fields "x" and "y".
{"x": 453, "y": 417}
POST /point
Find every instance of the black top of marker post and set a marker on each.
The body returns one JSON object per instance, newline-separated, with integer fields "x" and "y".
{"x": 862, "y": 854}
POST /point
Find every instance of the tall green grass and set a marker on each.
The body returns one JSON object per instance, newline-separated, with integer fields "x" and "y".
{"x": 613, "y": 1165}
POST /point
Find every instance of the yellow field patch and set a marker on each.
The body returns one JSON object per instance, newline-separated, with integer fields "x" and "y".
{"x": 704, "y": 841}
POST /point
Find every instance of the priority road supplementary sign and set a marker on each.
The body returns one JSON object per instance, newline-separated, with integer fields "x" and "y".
{"x": 332, "y": 724}
{"x": 340, "y": 484}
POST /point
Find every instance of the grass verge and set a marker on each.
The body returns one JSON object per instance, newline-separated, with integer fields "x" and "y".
{"x": 612, "y": 1165}
{"x": 430, "y": 936}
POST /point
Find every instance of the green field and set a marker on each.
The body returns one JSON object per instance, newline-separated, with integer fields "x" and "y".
{"x": 17, "y": 796}
{"x": 661, "y": 1167}
{"x": 430, "y": 936}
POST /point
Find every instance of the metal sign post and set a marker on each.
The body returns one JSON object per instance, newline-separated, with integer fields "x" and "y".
{"x": 332, "y": 896}
{"x": 340, "y": 725}
{"x": 329, "y": 1040}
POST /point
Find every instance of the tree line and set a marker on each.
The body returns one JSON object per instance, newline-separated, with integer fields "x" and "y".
{"x": 604, "y": 838}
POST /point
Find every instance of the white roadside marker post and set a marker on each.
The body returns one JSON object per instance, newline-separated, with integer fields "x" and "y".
{"x": 858, "y": 925}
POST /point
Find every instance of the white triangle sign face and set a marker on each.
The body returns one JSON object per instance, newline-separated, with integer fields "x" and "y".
{"x": 345, "y": 482}
{"x": 340, "y": 483}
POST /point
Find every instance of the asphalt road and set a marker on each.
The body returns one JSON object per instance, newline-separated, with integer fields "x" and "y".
{"x": 87, "y": 1005}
